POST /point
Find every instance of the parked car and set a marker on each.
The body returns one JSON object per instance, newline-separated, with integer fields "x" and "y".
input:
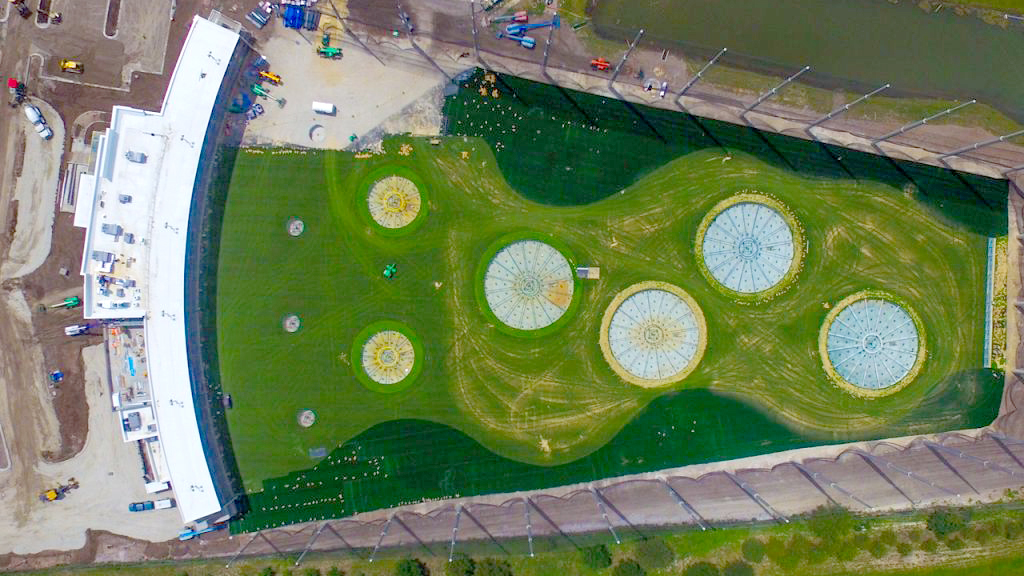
{"x": 140, "y": 506}
{"x": 72, "y": 66}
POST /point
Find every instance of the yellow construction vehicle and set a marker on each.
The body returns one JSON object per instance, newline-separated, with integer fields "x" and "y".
{"x": 58, "y": 493}
{"x": 72, "y": 66}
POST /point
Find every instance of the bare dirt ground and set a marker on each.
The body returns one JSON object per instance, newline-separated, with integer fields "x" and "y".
{"x": 408, "y": 99}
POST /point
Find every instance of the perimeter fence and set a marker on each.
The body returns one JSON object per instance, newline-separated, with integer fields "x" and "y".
{"x": 960, "y": 467}
{"x": 451, "y": 36}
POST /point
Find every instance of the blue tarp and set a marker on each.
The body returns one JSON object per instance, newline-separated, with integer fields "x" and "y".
{"x": 294, "y": 16}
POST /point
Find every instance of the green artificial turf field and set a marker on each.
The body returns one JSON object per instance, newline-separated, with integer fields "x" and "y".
{"x": 553, "y": 399}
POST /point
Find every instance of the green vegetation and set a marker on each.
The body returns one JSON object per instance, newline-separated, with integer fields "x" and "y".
{"x": 654, "y": 554}
{"x": 596, "y": 557}
{"x": 753, "y": 550}
{"x": 628, "y": 567}
{"x": 628, "y": 192}
{"x": 411, "y": 567}
{"x": 945, "y": 522}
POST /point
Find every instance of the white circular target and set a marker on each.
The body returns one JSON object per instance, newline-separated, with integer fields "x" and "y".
{"x": 528, "y": 285}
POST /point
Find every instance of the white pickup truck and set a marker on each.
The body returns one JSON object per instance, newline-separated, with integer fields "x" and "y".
{"x": 36, "y": 118}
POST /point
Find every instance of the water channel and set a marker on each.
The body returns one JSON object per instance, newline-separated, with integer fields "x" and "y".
{"x": 871, "y": 42}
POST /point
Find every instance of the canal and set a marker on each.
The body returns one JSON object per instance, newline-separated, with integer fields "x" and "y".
{"x": 871, "y": 42}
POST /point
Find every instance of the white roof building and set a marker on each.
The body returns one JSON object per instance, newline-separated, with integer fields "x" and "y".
{"x": 135, "y": 205}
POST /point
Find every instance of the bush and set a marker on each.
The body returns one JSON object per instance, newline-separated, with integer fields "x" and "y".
{"x": 596, "y": 557}
{"x": 861, "y": 540}
{"x": 817, "y": 554}
{"x": 955, "y": 543}
{"x": 311, "y": 572}
{"x": 904, "y": 548}
{"x": 411, "y": 567}
{"x": 915, "y": 534}
{"x": 944, "y": 522}
{"x": 1012, "y": 531}
{"x": 831, "y": 522}
{"x": 753, "y": 550}
{"x": 267, "y": 571}
{"x": 930, "y": 545}
{"x": 460, "y": 565}
{"x": 628, "y": 567}
{"x": 654, "y": 554}
{"x": 982, "y": 534}
{"x": 799, "y": 546}
{"x": 493, "y": 567}
{"x": 775, "y": 549}
{"x": 702, "y": 569}
{"x": 846, "y": 552}
{"x": 738, "y": 568}
{"x": 877, "y": 548}
{"x": 887, "y": 537}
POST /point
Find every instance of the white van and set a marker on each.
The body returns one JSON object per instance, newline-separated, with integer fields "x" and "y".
{"x": 165, "y": 503}
{"x": 33, "y": 114}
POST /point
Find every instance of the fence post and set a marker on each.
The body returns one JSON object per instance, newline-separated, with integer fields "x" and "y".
{"x": 912, "y": 125}
{"x": 844, "y": 108}
{"x": 772, "y": 92}
{"x": 700, "y": 74}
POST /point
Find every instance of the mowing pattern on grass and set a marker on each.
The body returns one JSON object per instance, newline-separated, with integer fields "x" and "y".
{"x": 872, "y": 345}
{"x": 750, "y": 246}
{"x": 528, "y": 285}
{"x": 653, "y": 334}
{"x": 492, "y": 411}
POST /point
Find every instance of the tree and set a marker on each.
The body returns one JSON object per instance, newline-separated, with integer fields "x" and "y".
{"x": 943, "y": 522}
{"x": 493, "y": 567}
{"x": 335, "y": 571}
{"x": 654, "y": 554}
{"x": 753, "y": 550}
{"x": 831, "y": 522}
{"x": 738, "y": 568}
{"x": 877, "y": 548}
{"x": 904, "y": 548}
{"x": 702, "y": 569}
{"x": 930, "y": 545}
{"x": 311, "y": 572}
{"x": 268, "y": 571}
{"x": 461, "y": 565}
{"x": 628, "y": 567}
{"x": 411, "y": 567}
{"x": 596, "y": 557}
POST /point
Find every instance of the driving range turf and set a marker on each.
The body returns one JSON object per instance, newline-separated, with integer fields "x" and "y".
{"x": 493, "y": 412}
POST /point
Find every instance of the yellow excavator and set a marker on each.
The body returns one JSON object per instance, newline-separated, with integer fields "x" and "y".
{"x": 58, "y": 493}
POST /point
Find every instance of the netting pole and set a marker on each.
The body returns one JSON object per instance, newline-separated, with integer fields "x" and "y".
{"x": 455, "y": 533}
{"x": 685, "y": 505}
{"x": 547, "y": 49}
{"x": 760, "y": 100}
{"x": 749, "y": 490}
{"x": 913, "y": 125}
{"x": 982, "y": 144}
{"x": 404, "y": 17}
{"x": 383, "y": 533}
{"x": 844, "y": 108}
{"x": 240, "y": 552}
{"x": 529, "y": 526}
{"x": 699, "y": 75}
{"x": 1014, "y": 169}
{"x": 485, "y": 530}
{"x": 310, "y": 544}
{"x": 413, "y": 534}
{"x": 472, "y": 18}
{"x": 949, "y": 466}
{"x": 813, "y": 476}
{"x": 1003, "y": 441}
{"x": 604, "y": 514}
{"x": 615, "y": 73}
{"x": 351, "y": 550}
{"x": 551, "y": 522}
{"x": 905, "y": 472}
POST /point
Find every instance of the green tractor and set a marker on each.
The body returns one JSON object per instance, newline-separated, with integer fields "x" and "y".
{"x": 68, "y": 303}
{"x": 390, "y": 270}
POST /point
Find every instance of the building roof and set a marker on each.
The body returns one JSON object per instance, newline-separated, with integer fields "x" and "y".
{"x": 152, "y": 159}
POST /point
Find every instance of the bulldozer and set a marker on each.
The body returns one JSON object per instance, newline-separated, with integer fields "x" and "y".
{"x": 58, "y": 493}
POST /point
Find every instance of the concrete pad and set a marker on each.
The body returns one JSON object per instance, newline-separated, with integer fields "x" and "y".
{"x": 365, "y": 92}
{"x": 109, "y": 473}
